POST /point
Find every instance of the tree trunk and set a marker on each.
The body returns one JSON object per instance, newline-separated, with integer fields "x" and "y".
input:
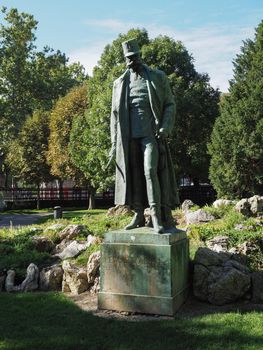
{"x": 60, "y": 184}
{"x": 38, "y": 196}
{"x": 92, "y": 192}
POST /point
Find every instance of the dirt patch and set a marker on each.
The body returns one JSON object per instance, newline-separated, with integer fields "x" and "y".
{"x": 191, "y": 308}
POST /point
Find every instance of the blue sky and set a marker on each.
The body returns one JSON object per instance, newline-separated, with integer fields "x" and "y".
{"x": 212, "y": 31}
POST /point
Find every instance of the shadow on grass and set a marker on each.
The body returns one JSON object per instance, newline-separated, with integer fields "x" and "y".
{"x": 51, "y": 321}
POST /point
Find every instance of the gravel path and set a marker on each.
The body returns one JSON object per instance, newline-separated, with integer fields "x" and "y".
{"x": 14, "y": 220}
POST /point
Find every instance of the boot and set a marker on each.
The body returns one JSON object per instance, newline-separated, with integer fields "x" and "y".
{"x": 156, "y": 219}
{"x": 137, "y": 221}
{"x": 168, "y": 220}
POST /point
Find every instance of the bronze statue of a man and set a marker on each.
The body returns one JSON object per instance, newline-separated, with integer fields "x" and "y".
{"x": 142, "y": 118}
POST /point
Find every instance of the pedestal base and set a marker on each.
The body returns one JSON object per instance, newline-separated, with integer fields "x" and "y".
{"x": 142, "y": 271}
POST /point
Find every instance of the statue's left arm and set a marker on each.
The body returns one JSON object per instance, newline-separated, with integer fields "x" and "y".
{"x": 168, "y": 112}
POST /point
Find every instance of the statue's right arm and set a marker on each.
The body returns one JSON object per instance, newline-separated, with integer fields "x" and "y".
{"x": 113, "y": 129}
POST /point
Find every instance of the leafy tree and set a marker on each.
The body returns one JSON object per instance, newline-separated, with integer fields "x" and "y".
{"x": 196, "y": 108}
{"x": 27, "y": 153}
{"x": 16, "y": 45}
{"x": 29, "y": 80}
{"x": 62, "y": 115}
{"x": 51, "y": 77}
{"x": 236, "y": 168}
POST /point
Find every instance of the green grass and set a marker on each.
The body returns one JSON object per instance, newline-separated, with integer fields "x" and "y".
{"x": 224, "y": 225}
{"x": 17, "y": 250}
{"x": 51, "y": 321}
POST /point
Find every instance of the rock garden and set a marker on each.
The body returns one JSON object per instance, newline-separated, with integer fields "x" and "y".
{"x": 226, "y": 251}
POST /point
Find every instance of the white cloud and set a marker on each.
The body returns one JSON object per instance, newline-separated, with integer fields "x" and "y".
{"x": 87, "y": 56}
{"x": 212, "y": 47}
{"x": 112, "y": 24}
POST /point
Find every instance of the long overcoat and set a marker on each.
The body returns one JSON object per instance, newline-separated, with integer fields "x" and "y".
{"x": 163, "y": 109}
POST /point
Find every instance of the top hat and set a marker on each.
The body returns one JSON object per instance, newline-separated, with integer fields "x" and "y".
{"x": 130, "y": 47}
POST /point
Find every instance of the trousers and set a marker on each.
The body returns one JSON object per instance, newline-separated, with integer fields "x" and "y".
{"x": 144, "y": 157}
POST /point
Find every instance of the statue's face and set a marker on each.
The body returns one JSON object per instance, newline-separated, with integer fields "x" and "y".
{"x": 134, "y": 62}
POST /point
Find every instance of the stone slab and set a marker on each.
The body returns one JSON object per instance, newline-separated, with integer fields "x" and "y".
{"x": 143, "y": 271}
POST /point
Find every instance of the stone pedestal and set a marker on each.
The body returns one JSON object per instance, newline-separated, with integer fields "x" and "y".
{"x": 142, "y": 271}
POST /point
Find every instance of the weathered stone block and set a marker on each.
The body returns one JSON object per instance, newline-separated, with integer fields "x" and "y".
{"x": 142, "y": 271}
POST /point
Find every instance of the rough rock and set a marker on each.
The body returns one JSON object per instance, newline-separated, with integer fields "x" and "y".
{"x": 31, "y": 281}
{"x": 10, "y": 282}
{"x": 257, "y": 286}
{"x": 96, "y": 286}
{"x": 73, "y": 249}
{"x": 218, "y": 278}
{"x": 51, "y": 278}
{"x": 198, "y": 216}
{"x": 43, "y": 244}
{"x": 248, "y": 247}
{"x": 231, "y": 285}
{"x": 256, "y": 204}
{"x": 55, "y": 227}
{"x": 243, "y": 207}
{"x": 119, "y": 210}
{"x": 2, "y": 280}
{"x": 74, "y": 279}
{"x": 187, "y": 204}
{"x": 93, "y": 266}
{"x": 91, "y": 240}
{"x": 71, "y": 231}
{"x": 61, "y": 246}
{"x": 218, "y": 244}
{"x": 222, "y": 202}
{"x": 207, "y": 257}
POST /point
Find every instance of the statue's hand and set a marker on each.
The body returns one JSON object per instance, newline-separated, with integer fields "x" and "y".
{"x": 163, "y": 133}
{"x": 111, "y": 155}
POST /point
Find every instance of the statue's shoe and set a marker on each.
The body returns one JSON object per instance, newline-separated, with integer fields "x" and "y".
{"x": 157, "y": 227}
{"x": 137, "y": 221}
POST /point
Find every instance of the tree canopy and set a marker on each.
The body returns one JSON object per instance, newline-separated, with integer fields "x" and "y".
{"x": 66, "y": 109}
{"x": 237, "y": 138}
{"x": 27, "y": 153}
{"x": 196, "y": 100}
{"x": 29, "y": 80}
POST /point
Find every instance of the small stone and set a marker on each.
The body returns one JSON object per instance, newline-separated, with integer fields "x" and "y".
{"x": 187, "y": 204}
{"x": 10, "y": 282}
{"x": 222, "y": 202}
{"x": 198, "y": 216}
{"x": 218, "y": 243}
{"x": 256, "y": 204}
{"x": 30, "y": 283}
{"x": 73, "y": 250}
{"x": 74, "y": 278}
{"x": 93, "y": 266}
{"x": 91, "y": 239}
{"x": 43, "y": 244}
{"x": 120, "y": 210}
{"x": 71, "y": 231}
{"x": 51, "y": 278}
{"x": 243, "y": 207}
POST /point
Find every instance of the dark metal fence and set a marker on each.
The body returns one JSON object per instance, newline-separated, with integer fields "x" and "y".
{"x": 201, "y": 195}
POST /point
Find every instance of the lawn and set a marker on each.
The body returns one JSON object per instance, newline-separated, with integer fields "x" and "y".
{"x": 51, "y": 321}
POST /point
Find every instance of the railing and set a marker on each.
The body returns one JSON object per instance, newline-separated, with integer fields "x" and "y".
{"x": 202, "y": 194}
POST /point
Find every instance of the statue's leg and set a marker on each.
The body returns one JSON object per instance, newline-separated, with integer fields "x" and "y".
{"x": 150, "y": 151}
{"x": 138, "y": 184}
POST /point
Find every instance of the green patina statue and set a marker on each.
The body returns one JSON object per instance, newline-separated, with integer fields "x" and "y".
{"x": 142, "y": 117}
